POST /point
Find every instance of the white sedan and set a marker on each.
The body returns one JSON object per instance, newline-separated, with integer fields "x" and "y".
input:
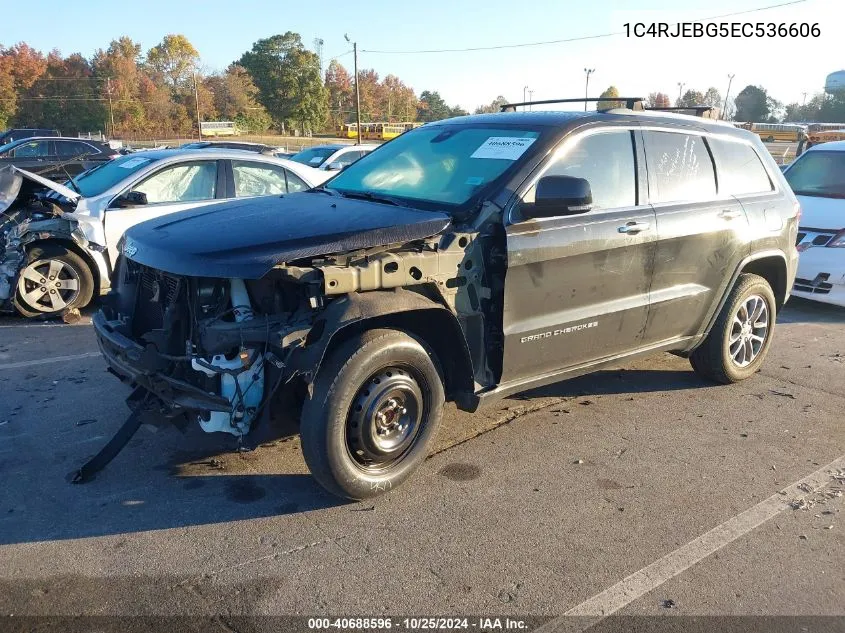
{"x": 58, "y": 253}
{"x": 818, "y": 179}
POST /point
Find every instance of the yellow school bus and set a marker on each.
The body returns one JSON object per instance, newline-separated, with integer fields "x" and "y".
{"x": 771, "y": 132}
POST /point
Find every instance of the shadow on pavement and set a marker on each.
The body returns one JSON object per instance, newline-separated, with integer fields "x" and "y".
{"x": 800, "y": 310}
{"x": 620, "y": 381}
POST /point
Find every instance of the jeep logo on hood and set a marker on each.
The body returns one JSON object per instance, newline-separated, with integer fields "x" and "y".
{"x": 129, "y": 248}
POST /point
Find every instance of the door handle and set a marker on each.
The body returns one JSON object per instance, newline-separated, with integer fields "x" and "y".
{"x": 634, "y": 227}
{"x": 729, "y": 214}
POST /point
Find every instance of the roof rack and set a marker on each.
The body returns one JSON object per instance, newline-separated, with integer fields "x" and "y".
{"x": 632, "y": 103}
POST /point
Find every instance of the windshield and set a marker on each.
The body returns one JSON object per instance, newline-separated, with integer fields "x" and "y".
{"x": 313, "y": 157}
{"x": 818, "y": 173}
{"x": 439, "y": 164}
{"x": 103, "y": 177}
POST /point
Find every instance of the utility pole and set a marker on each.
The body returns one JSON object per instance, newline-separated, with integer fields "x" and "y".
{"x": 680, "y": 90}
{"x": 530, "y": 97}
{"x": 197, "y": 100}
{"x": 357, "y": 92}
{"x": 804, "y": 100}
{"x": 111, "y": 110}
{"x": 588, "y": 72}
{"x": 727, "y": 92}
{"x": 524, "y": 97}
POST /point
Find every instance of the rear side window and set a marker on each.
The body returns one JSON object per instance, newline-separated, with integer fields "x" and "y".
{"x": 740, "y": 169}
{"x": 74, "y": 148}
{"x": 681, "y": 165}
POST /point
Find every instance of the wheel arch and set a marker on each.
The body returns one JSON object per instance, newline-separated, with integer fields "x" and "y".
{"x": 429, "y": 321}
{"x": 70, "y": 245}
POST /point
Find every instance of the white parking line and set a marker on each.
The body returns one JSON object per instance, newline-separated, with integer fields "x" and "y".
{"x": 649, "y": 578}
{"x": 47, "y": 361}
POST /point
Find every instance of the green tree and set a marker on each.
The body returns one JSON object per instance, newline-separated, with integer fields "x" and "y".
{"x": 287, "y": 76}
{"x": 494, "y": 106}
{"x": 608, "y": 94}
{"x": 712, "y": 98}
{"x": 174, "y": 60}
{"x": 118, "y": 67}
{"x": 432, "y": 107}
{"x": 691, "y": 98}
{"x": 752, "y": 105}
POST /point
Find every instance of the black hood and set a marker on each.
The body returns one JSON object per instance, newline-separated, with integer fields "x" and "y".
{"x": 244, "y": 239}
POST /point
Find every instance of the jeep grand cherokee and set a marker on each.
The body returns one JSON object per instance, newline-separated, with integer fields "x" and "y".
{"x": 465, "y": 260}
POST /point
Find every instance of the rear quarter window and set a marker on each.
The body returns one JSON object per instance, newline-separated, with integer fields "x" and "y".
{"x": 681, "y": 167}
{"x": 740, "y": 169}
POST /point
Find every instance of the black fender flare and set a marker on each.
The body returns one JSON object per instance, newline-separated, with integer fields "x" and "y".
{"x": 431, "y": 322}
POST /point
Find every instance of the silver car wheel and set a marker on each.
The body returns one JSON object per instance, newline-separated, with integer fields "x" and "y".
{"x": 49, "y": 285}
{"x": 749, "y": 330}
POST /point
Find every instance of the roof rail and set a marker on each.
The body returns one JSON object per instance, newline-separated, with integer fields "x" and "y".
{"x": 632, "y": 103}
{"x": 699, "y": 110}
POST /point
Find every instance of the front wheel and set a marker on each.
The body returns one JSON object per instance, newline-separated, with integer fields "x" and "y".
{"x": 55, "y": 279}
{"x": 375, "y": 407}
{"x": 742, "y": 334}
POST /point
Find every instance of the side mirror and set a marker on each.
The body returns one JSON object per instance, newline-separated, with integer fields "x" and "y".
{"x": 336, "y": 166}
{"x": 560, "y": 195}
{"x": 131, "y": 199}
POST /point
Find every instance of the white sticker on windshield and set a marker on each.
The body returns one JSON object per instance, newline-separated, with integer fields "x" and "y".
{"x": 503, "y": 147}
{"x": 474, "y": 180}
{"x": 134, "y": 162}
{"x": 316, "y": 160}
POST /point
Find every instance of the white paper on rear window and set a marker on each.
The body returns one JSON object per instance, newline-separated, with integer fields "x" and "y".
{"x": 503, "y": 147}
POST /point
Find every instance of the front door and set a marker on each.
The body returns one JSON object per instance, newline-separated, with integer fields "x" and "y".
{"x": 170, "y": 189}
{"x": 577, "y": 287}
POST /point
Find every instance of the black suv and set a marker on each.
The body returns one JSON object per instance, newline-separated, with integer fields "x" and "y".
{"x": 465, "y": 260}
{"x": 55, "y": 158}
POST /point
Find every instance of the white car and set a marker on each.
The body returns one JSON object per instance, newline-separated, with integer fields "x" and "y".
{"x": 58, "y": 252}
{"x": 334, "y": 157}
{"x": 818, "y": 179}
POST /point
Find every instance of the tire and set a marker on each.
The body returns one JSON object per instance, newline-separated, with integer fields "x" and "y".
{"x": 737, "y": 345}
{"x": 352, "y": 451}
{"x": 770, "y": 139}
{"x": 39, "y": 295}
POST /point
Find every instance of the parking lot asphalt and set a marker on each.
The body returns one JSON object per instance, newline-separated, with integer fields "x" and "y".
{"x": 638, "y": 490}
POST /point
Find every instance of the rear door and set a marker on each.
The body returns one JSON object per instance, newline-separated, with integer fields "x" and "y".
{"x": 701, "y": 233}
{"x": 576, "y": 288}
{"x": 169, "y": 189}
{"x": 76, "y": 156}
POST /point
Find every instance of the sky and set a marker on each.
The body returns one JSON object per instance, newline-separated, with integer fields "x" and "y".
{"x": 222, "y": 30}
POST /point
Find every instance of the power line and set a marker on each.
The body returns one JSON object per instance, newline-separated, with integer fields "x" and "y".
{"x": 568, "y": 39}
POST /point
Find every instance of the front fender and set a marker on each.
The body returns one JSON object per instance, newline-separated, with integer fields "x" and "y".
{"x": 430, "y": 321}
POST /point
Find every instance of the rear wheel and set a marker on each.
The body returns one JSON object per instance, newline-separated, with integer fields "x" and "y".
{"x": 376, "y": 405}
{"x": 55, "y": 279}
{"x": 742, "y": 334}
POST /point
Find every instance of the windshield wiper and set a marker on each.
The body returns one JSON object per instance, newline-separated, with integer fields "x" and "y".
{"x": 322, "y": 189}
{"x": 373, "y": 197}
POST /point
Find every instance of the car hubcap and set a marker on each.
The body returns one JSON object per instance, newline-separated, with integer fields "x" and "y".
{"x": 48, "y": 285}
{"x": 384, "y": 419}
{"x": 749, "y": 329}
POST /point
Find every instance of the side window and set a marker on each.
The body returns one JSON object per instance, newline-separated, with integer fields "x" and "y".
{"x": 740, "y": 168}
{"x": 682, "y": 167}
{"x": 606, "y": 161}
{"x": 33, "y": 149}
{"x": 258, "y": 179}
{"x": 295, "y": 183}
{"x": 348, "y": 158}
{"x": 186, "y": 182}
{"x": 68, "y": 149}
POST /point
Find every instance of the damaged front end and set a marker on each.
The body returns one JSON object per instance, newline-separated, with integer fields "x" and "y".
{"x": 26, "y": 218}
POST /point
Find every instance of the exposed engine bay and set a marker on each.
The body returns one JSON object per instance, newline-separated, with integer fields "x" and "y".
{"x": 218, "y": 350}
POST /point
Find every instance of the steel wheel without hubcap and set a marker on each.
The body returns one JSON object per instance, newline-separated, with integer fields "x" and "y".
{"x": 49, "y": 285}
{"x": 384, "y": 419}
{"x": 749, "y": 329}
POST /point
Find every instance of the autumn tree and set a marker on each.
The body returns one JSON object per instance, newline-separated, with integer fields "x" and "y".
{"x": 607, "y": 97}
{"x": 119, "y": 68}
{"x": 341, "y": 94}
{"x": 20, "y": 67}
{"x": 690, "y": 98}
{"x": 174, "y": 60}
{"x": 287, "y": 76}
{"x": 658, "y": 100}
{"x": 235, "y": 98}
{"x": 713, "y": 98}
